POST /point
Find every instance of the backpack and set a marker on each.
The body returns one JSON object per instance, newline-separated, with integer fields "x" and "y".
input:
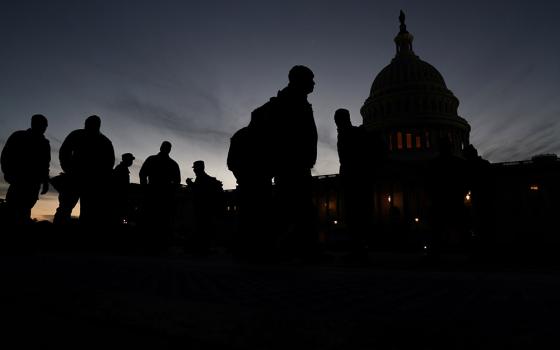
{"x": 251, "y": 150}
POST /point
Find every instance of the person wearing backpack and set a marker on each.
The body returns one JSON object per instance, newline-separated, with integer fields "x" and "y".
{"x": 249, "y": 160}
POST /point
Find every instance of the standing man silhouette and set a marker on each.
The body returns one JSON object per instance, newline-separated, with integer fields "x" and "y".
{"x": 121, "y": 184}
{"x": 87, "y": 157}
{"x": 354, "y": 175}
{"x": 160, "y": 175}
{"x": 25, "y": 163}
{"x": 294, "y": 152}
{"x": 208, "y": 206}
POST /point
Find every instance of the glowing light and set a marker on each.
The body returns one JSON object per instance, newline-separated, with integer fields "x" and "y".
{"x": 389, "y": 199}
{"x": 425, "y": 247}
{"x": 468, "y": 196}
{"x": 534, "y": 187}
{"x": 416, "y": 219}
{"x": 335, "y": 222}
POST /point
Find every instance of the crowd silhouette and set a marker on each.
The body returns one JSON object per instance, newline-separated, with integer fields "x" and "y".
{"x": 271, "y": 159}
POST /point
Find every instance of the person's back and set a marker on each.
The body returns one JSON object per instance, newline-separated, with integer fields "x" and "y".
{"x": 87, "y": 157}
{"x": 160, "y": 169}
{"x": 208, "y": 205}
{"x": 26, "y": 157}
{"x": 120, "y": 186}
{"x": 25, "y": 163}
{"x": 87, "y": 153}
{"x": 160, "y": 177}
{"x": 293, "y": 130}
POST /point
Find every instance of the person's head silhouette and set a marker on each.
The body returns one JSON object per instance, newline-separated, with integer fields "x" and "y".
{"x": 165, "y": 147}
{"x": 198, "y": 167}
{"x": 301, "y": 79}
{"x": 127, "y": 159}
{"x": 93, "y": 124}
{"x": 342, "y": 118}
{"x": 39, "y": 124}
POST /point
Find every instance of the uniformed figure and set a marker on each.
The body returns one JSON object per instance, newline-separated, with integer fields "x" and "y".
{"x": 293, "y": 136}
{"x": 25, "y": 163}
{"x": 249, "y": 159}
{"x": 87, "y": 158}
{"x": 160, "y": 176}
{"x": 160, "y": 169}
{"x": 354, "y": 175}
{"x": 121, "y": 184}
{"x": 207, "y": 198}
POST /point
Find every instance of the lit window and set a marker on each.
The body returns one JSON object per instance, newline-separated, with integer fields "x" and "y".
{"x": 408, "y": 141}
{"x": 418, "y": 142}
{"x": 399, "y": 140}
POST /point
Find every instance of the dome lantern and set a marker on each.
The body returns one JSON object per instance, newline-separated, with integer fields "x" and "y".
{"x": 404, "y": 39}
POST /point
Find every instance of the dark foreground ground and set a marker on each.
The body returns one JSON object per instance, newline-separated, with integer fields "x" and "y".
{"x": 93, "y": 300}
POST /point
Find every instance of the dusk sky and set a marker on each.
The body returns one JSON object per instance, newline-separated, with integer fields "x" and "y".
{"x": 191, "y": 72}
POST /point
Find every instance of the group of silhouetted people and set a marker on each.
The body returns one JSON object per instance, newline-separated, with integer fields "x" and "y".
{"x": 87, "y": 160}
{"x": 279, "y": 145}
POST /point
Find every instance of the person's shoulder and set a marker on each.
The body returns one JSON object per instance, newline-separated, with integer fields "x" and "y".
{"x": 77, "y": 132}
{"x": 105, "y": 139}
{"x": 75, "y": 135}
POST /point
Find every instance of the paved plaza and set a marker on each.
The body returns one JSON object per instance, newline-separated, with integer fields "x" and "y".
{"x": 180, "y": 301}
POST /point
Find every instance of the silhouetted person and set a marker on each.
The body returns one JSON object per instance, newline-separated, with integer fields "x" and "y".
{"x": 447, "y": 186}
{"x": 249, "y": 160}
{"x": 355, "y": 177}
{"x": 121, "y": 184}
{"x": 25, "y": 163}
{"x": 87, "y": 158}
{"x": 208, "y": 206}
{"x": 161, "y": 177}
{"x": 293, "y": 140}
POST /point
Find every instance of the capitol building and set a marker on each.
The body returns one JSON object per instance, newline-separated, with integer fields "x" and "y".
{"x": 412, "y": 110}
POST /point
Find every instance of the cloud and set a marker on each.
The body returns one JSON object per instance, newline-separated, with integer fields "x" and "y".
{"x": 161, "y": 117}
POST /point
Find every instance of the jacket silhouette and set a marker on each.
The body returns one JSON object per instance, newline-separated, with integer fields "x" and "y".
{"x": 87, "y": 157}
{"x": 160, "y": 177}
{"x": 208, "y": 206}
{"x": 293, "y": 137}
{"x": 121, "y": 183}
{"x": 160, "y": 169}
{"x": 25, "y": 161}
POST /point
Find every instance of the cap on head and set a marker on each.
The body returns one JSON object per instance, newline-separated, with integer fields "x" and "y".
{"x": 199, "y": 164}
{"x": 93, "y": 123}
{"x": 39, "y": 122}
{"x": 128, "y": 157}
